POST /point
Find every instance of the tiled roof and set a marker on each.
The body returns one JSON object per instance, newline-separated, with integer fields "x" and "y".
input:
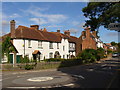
{"x": 31, "y": 33}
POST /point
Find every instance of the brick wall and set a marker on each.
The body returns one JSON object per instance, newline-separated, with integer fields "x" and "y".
{"x": 85, "y": 41}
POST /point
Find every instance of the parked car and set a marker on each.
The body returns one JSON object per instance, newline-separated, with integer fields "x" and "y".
{"x": 115, "y": 54}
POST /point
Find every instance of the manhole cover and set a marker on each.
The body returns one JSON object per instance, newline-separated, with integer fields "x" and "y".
{"x": 40, "y": 79}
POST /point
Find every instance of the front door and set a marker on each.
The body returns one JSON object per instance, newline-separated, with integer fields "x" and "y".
{"x": 11, "y": 58}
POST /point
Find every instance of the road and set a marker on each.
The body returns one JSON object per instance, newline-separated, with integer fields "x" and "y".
{"x": 103, "y": 74}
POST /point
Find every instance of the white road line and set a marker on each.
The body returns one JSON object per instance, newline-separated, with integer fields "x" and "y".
{"x": 71, "y": 84}
{"x": 90, "y": 69}
{"x": 104, "y": 65}
{"x": 80, "y": 76}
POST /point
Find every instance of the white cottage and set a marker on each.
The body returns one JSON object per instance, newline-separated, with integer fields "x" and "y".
{"x": 39, "y": 44}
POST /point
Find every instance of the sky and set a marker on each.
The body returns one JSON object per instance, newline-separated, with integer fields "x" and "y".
{"x": 52, "y": 16}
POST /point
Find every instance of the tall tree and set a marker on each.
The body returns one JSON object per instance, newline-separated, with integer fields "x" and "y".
{"x": 101, "y": 13}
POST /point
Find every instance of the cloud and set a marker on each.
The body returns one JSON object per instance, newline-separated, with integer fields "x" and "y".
{"x": 73, "y": 30}
{"x": 75, "y": 23}
{"x": 15, "y": 15}
{"x": 54, "y": 26}
{"x": 81, "y": 25}
{"x": 5, "y": 25}
{"x": 112, "y": 34}
{"x": 45, "y": 18}
{"x": 38, "y": 20}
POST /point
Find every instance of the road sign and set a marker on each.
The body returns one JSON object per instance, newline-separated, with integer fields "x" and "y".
{"x": 114, "y": 26}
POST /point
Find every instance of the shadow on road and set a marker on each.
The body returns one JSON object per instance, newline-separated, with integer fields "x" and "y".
{"x": 96, "y": 75}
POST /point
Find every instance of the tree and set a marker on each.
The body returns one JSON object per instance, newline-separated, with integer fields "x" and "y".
{"x": 113, "y": 43}
{"x": 101, "y": 13}
{"x": 7, "y": 47}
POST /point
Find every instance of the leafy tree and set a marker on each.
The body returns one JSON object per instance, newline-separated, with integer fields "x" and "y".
{"x": 113, "y": 43}
{"x": 101, "y": 13}
{"x": 7, "y": 47}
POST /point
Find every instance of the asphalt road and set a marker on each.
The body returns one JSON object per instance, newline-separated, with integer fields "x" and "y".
{"x": 103, "y": 74}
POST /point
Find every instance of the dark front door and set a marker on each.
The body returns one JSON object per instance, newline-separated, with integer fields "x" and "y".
{"x": 35, "y": 56}
{"x": 18, "y": 58}
{"x": 11, "y": 58}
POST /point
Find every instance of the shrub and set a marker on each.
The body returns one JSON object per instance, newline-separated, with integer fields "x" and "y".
{"x": 88, "y": 56}
{"x": 24, "y": 60}
{"x": 101, "y": 53}
{"x": 28, "y": 67}
{"x": 53, "y": 60}
{"x": 109, "y": 51}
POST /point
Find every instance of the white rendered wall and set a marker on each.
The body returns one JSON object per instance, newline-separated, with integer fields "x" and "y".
{"x": 19, "y": 44}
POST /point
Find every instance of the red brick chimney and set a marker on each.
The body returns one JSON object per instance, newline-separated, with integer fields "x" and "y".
{"x": 87, "y": 29}
{"x": 12, "y": 28}
{"x": 67, "y": 32}
{"x": 94, "y": 33}
{"x": 36, "y": 27}
{"x": 45, "y": 30}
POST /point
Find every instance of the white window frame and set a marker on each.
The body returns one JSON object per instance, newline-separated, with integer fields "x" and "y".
{"x": 40, "y": 44}
{"x": 50, "y": 45}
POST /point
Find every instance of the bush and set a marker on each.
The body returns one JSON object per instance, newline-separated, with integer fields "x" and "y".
{"x": 24, "y": 60}
{"x": 53, "y": 60}
{"x": 101, "y": 52}
{"x": 88, "y": 56}
{"x": 29, "y": 67}
{"x": 109, "y": 51}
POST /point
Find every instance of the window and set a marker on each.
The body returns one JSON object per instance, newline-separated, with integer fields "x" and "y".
{"x": 63, "y": 48}
{"x": 50, "y": 55}
{"x": 51, "y": 45}
{"x": 40, "y": 44}
{"x": 29, "y": 43}
{"x": 57, "y": 45}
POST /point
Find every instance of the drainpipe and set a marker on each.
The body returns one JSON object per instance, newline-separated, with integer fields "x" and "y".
{"x": 24, "y": 47}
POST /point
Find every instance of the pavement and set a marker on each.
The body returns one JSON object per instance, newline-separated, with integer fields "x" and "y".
{"x": 103, "y": 74}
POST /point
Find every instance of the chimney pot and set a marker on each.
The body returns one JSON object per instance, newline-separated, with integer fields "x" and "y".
{"x": 58, "y": 31}
{"x": 67, "y": 32}
{"x": 36, "y": 27}
{"x": 45, "y": 29}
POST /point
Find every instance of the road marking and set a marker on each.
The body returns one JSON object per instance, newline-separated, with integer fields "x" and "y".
{"x": 90, "y": 69}
{"x": 71, "y": 84}
{"x": 40, "y": 79}
{"x": 23, "y": 87}
{"x": 80, "y": 76}
{"x": 104, "y": 65}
